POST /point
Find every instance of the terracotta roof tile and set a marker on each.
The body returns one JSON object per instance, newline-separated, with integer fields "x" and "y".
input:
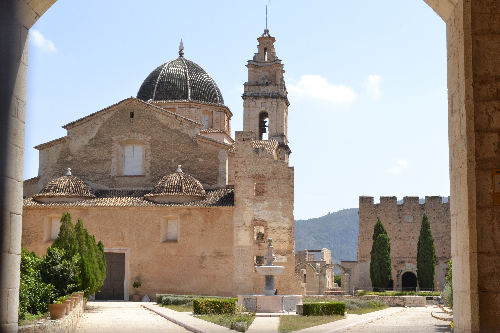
{"x": 269, "y": 145}
{"x": 135, "y": 198}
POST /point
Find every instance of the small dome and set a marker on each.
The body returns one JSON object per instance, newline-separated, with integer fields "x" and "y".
{"x": 180, "y": 80}
{"x": 178, "y": 187}
{"x": 67, "y": 188}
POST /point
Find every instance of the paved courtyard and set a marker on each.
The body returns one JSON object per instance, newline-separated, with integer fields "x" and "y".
{"x": 123, "y": 317}
{"x": 133, "y": 317}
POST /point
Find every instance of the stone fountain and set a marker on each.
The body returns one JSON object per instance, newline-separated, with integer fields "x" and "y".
{"x": 269, "y": 302}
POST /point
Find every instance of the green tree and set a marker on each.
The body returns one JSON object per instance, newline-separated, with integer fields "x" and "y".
{"x": 448, "y": 289}
{"x": 60, "y": 272}
{"x": 380, "y": 257}
{"x": 426, "y": 256}
{"x": 77, "y": 242}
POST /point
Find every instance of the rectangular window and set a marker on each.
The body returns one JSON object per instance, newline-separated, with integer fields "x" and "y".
{"x": 169, "y": 230}
{"x": 55, "y": 226}
{"x": 206, "y": 119}
{"x": 132, "y": 165}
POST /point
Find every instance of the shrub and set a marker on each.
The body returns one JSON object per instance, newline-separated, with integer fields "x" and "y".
{"x": 426, "y": 256}
{"x": 59, "y": 271}
{"x": 338, "y": 280}
{"x": 214, "y": 306}
{"x": 34, "y": 294}
{"x": 324, "y": 309}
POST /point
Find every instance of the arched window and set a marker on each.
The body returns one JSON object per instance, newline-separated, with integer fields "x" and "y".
{"x": 263, "y": 126}
{"x": 265, "y": 54}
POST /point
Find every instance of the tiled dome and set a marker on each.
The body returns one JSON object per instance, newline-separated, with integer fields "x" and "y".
{"x": 180, "y": 80}
{"x": 67, "y": 188}
{"x": 178, "y": 187}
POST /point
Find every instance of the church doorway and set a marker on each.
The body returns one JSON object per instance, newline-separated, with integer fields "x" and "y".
{"x": 409, "y": 281}
{"x": 113, "y": 287}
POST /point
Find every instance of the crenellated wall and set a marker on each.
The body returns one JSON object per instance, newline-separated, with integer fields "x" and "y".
{"x": 403, "y": 222}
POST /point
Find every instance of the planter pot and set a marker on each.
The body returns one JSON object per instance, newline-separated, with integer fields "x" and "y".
{"x": 81, "y": 293}
{"x": 57, "y": 311}
{"x": 68, "y": 306}
{"x": 137, "y": 298}
{"x": 76, "y": 297}
{"x": 73, "y": 302}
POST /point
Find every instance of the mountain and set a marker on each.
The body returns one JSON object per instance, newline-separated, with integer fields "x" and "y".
{"x": 337, "y": 232}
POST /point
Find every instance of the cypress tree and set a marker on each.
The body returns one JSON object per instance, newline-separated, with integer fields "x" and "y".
{"x": 78, "y": 243}
{"x": 380, "y": 262}
{"x": 426, "y": 256}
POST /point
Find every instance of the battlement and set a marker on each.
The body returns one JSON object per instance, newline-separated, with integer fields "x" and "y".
{"x": 385, "y": 201}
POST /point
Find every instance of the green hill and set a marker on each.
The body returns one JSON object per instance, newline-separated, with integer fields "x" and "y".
{"x": 337, "y": 232}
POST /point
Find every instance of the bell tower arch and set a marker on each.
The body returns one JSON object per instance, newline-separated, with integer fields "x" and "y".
{"x": 265, "y": 101}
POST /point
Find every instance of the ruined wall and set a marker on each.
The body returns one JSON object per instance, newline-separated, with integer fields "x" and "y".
{"x": 93, "y": 149}
{"x": 201, "y": 262}
{"x": 403, "y": 223}
{"x": 263, "y": 197}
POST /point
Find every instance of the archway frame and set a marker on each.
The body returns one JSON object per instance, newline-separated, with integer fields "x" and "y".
{"x": 470, "y": 168}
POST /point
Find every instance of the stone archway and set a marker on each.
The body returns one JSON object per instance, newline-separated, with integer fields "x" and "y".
{"x": 409, "y": 281}
{"x": 345, "y": 282}
{"x": 473, "y": 99}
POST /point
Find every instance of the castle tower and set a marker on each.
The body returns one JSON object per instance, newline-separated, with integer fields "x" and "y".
{"x": 265, "y": 101}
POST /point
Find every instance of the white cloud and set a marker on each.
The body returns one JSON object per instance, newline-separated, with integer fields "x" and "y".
{"x": 318, "y": 88}
{"x": 399, "y": 167}
{"x": 372, "y": 85}
{"x": 41, "y": 42}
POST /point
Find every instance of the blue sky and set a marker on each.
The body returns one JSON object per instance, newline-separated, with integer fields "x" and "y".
{"x": 366, "y": 82}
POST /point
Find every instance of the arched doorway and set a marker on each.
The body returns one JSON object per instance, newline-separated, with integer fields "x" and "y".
{"x": 408, "y": 281}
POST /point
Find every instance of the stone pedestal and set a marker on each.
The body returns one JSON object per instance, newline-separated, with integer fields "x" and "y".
{"x": 269, "y": 304}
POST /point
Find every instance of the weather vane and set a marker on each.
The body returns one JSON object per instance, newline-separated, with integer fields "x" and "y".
{"x": 266, "y": 16}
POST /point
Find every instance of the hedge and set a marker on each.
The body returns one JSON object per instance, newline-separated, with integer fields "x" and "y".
{"x": 214, "y": 306}
{"x": 172, "y": 299}
{"x": 324, "y": 309}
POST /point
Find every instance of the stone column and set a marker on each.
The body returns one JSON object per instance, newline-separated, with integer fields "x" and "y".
{"x": 14, "y": 46}
{"x": 473, "y": 38}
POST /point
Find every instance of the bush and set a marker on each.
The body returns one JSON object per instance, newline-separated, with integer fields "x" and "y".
{"x": 324, "y": 309}
{"x": 34, "y": 294}
{"x": 172, "y": 299}
{"x": 214, "y": 306}
{"x": 60, "y": 272}
{"x": 338, "y": 280}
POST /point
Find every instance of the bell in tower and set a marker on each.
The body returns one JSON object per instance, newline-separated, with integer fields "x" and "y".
{"x": 265, "y": 101}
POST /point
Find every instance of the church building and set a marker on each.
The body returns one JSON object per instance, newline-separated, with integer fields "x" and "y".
{"x": 179, "y": 204}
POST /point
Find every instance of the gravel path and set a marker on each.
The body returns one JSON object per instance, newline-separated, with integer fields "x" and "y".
{"x": 123, "y": 317}
{"x": 411, "y": 320}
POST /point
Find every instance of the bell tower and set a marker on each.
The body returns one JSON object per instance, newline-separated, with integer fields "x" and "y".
{"x": 265, "y": 101}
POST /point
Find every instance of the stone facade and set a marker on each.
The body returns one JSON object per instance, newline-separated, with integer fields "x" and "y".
{"x": 402, "y": 222}
{"x": 207, "y": 244}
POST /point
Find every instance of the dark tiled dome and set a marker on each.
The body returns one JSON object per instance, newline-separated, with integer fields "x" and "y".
{"x": 180, "y": 80}
{"x": 177, "y": 187}
{"x": 65, "y": 188}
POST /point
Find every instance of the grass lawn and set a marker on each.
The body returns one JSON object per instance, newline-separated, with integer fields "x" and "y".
{"x": 180, "y": 308}
{"x": 227, "y": 320}
{"x": 295, "y": 323}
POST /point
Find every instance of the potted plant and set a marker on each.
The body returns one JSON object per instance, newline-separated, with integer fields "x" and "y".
{"x": 74, "y": 301}
{"x": 57, "y": 310}
{"x": 136, "y": 285}
{"x": 64, "y": 300}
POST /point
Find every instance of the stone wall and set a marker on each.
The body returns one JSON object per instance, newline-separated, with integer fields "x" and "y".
{"x": 403, "y": 222}
{"x": 263, "y": 197}
{"x": 389, "y": 300}
{"x": 93, "y": 149}
{"x": 66, "y": 324}
{"x": 200, "y": 262}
